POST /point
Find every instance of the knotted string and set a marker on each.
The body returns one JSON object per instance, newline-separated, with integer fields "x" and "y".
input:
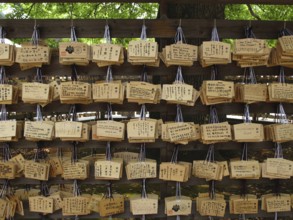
{"x": 244, "y": 155}
{"x": 144, "y": 75}
{"x": 39, "y": 116}
{"x": 3, "y": 78}
{"x": 282, "y": 75}
{"x": 72, "y": 113}
{"x": 142, "y": 153}
{"x": 249, "y": 76}
{"x": 281, "y": 115}
{"x": 278, "y": 150}
{"x": 248, "y": 32}
{"x": 76, "y": 189}
{"x": 107, "y": 35}
{"x": 108, "y": 151}
{"x": 179, "y": 36}
{"x": 74, "y": 75}
{"x": 174, "y": 157}
{"x": 108, "y": 194}
{"x": 6, "y": 152}
{"x": 213, "y": 115}
{"x": 210, "y": 157}
{"x": 179, "y": 76}
{"x": 143, "y": 35}
{"x": 215, "y": 35}
{"x": 109, "y": 76}
{"x": 3, "y": 113}
{"x": 73, "y": 36}
{"x": 246, "y": 114}
{"x": 35, "y": 36}
{"x": 2, "y": 35}
{"x": 109, "y": 112}
{"x": 143, "y": 111}
{"x": 179, "y": 115}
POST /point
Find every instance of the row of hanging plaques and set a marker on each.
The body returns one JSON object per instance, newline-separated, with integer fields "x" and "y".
{"x": 246, "y": 52}
{"x": 211, "y": 92}
{"x": 87, "y": 204}
{"x": 144, "y": 131}
{"x": 84, "y": 204}
{"x": 112, "y": 168}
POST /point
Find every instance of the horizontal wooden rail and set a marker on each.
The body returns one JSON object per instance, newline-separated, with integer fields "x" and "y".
{"x": 163, "y": 108}
{"x": 131, "y": 28}
{"x": 122, "y": 146}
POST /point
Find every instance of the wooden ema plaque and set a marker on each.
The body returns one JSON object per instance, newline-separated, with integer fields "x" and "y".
{"x": 179, "y": 93}
{"x": 75, "y": 92}
{"x": 109, "y": 169}
{"x": 68, "y": 129}
{"x": 36, "y": 93}
{"x": 94, "y": 204}
{"x": 212, "y": 207}
{"x": 8, "y": 129}
{"x": 140, "y": 131}
{"x": 8, "y": 94}
{"x": 214, "y": 52}
{"x": 173, "y": 172}
{"x": 39, "y": 130}
{"x": 277, "y": 168}
{"x": 208, "y": 170}
{"x": 215, "y": 132}
{"x": 251, "y": 93}
{"x": 144, "y": 206}
{"x": 143, "y": 92}
{"x": 216, "y": 92}
{"x": 108, "y": 92}
{"x": 109, "y": 130}
{"x": 38, "y": 171}
{"x": 273, "y": 203}
{"x": 7, "y": 53}
{"x": 141, "y": 169}
{"x": 74, "y": 53}
{"x": 280, "y": 92}
{"x": 242, "y": 169}
{"x": 250, "y": 52}
{"x": 248, "y": 132}
{"x": 33, "y": 55}
{"x": 189, "y": 131}
{"x": 75, "y": 170}
{"x": 41, "y": 204}
{"x": 75, "y": 206}
{"x": 247, "y": 204}
{"x": 143, "y": 52}
{"x": 107, "y": 54}
{"x": 112, "y": 206}
{"x": 178, "y": 206}
{"x": 8, "y": 170}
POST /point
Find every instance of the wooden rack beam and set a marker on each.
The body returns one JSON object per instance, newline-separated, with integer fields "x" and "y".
{"x": 131, "y": 28}
{"x": 271, "y": 2}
